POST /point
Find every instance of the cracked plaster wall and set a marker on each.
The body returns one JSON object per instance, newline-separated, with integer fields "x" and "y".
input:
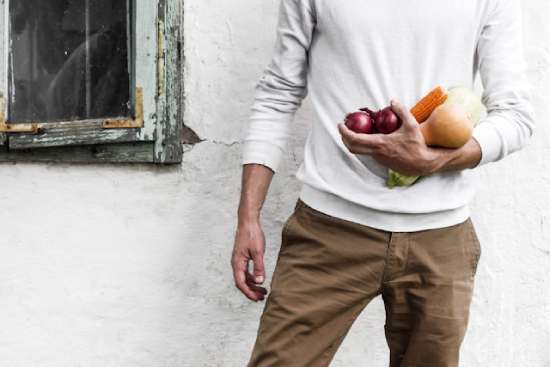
{"x": 128, "y": 266}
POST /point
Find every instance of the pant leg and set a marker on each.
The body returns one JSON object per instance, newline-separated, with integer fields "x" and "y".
{"x": 427, "y": 291}
{"x": 328, "y": 269}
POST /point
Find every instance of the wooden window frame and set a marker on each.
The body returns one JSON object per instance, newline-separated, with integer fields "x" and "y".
{"x": 153, "y": 135}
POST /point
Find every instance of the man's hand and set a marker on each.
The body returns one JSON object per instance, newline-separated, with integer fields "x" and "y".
{"x": 249, "y": 245}
{"x": 404, "y": 150}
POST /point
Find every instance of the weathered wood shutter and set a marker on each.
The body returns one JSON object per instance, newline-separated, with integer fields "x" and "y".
{"x": 154, "y": 132}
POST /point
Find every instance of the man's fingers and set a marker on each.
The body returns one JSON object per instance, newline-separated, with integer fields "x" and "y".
{"x": 403, "y": 113}
{"x": 360, "y": 143}
{"x": 253, "y": 285}
{"x": 239, "y": 270}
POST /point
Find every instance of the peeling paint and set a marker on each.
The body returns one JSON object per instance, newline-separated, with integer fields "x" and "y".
{"x": 161, "y": 59}
{"x": 188, "y": 136}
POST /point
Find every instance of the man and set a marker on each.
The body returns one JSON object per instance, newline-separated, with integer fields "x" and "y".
{"x": 350, "y": 238}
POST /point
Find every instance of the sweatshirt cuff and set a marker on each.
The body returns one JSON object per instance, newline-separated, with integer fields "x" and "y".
{"x": 489, "y": 141}
{"x": 262, "y": 152}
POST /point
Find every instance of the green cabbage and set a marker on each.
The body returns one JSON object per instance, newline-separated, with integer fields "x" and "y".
{"x": 471, "y": 103}
{"x": 396, "y": 179}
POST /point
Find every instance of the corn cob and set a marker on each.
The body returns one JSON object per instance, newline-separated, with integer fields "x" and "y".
{"x": 424, "y": 108}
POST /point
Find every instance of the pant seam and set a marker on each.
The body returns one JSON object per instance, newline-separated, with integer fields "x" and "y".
{"x": 387, "y": 264}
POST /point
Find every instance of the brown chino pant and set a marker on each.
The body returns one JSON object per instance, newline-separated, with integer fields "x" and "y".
{"x": 328, "y": 269}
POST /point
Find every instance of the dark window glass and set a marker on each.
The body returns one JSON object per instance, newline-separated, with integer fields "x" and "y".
{"x": 68, "y": 60}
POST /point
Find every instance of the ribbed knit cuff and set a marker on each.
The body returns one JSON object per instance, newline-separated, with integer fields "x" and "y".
{"x": 489, "y": 141}
{"x": 262, "y": 152}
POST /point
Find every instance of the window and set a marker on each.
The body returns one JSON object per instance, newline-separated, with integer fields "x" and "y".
{"x": 91, "y": 80}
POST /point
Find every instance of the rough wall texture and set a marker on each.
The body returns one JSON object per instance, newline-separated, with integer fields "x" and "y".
{"x": 128, "y": 266}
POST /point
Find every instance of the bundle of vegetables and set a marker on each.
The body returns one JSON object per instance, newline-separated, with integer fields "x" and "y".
{"x": 449, "y": 125}
{"x": 447, "y": 120}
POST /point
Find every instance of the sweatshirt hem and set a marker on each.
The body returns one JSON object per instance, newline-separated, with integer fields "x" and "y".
{"x": 335, "y": 206}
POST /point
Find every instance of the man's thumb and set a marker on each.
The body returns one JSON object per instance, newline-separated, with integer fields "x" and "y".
{"x": 404, "y": 114}
{"x": 259, "y": 272}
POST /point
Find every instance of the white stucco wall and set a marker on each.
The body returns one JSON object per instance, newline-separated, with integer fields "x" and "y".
{"x": 128, "y": 266}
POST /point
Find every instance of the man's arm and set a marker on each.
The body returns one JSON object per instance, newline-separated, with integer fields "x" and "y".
{"x": 249, "y": 238}
{"x": 279, "y": 94}
{"x": 442, "y": 159}
{"x": 468, "y": 156}
{"x": 256, "y": 179}
{"x": 282, "y": 87}
{"x": 510, "y": 120}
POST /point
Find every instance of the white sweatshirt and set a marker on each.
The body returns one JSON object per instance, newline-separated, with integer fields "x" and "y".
{"x": 348, "y": 54}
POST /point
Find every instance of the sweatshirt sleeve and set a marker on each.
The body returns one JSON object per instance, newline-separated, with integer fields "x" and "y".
{"x": 282, "y": 86}
{"x": 507, "y": 93}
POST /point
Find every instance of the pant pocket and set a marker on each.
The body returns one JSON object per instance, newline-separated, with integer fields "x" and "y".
{"x": 474, "y": 246}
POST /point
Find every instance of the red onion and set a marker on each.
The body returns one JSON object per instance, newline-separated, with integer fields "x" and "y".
{"x": 360, "y": 122}
{"x": 386, "y": 121}
{"x": 367, "y": 121}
